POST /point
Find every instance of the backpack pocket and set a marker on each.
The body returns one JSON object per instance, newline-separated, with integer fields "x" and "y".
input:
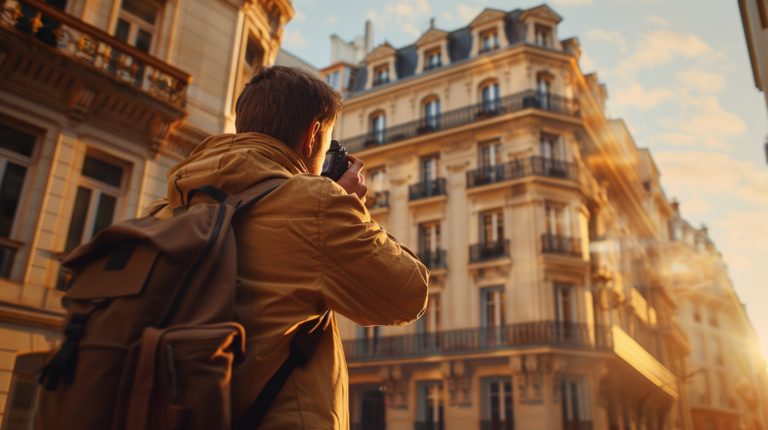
{"x": 183, "y": 376}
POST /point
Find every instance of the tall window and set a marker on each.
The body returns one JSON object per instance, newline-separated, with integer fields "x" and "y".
{"x": 136, "y": 27}
{"x": 565, "y": 311}
{"x": 432, "y": 113}
{"x": 490, "y": 95}
{"x": 378, "y": 127}
{"x": 16, "y": 148}
{"x": 428, "y": 326}
{"x": 369, "y": 338}
{"x": 334, "y": 79}
{"x": 430, "y": 407}
{"x": 429, "y": 237}
{"x": 492, "y": 318}
{"x": 373, "y": 410}
{"x": 489, "y": 40}
{"x": 432, "y": 59}
{"x": 558, "y": 220}
{"x": 99, "y": 188}
{"x": 542, "y": 91}
{"x": 489, "y": 154}
{"x": 552, "y": 147}
{"x": 543, "y": 35}
{"x": 575, "y": 403}
{"x": 491, "y": 227}
{"x": 429, "y": 166}
{"x": 381, "y": 74}
{"x": 497, "y": 404}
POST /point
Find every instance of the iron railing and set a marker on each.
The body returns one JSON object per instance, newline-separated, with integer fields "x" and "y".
{"x": 520, "y": 168}
{"x": 97, "y": 49}
{"x": 428, "y": 425}
{"x": 564, "y": 245}
{"x": 467, "y": 341}
{"x": 488, "y": 251}
{"x": 497, "y": 424}
{"x": 424, "y": 189}
{"x": 434, "y": 259}
{"x": 462, "y": 116}
{"x": 376, "y": 200}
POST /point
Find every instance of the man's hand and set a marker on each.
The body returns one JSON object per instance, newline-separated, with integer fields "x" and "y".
{"x": 353, "y": 180}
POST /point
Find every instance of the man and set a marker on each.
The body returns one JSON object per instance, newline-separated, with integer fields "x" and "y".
{"x": 308, "y": 246}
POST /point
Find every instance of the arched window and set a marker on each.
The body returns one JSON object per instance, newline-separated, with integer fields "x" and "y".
{"x": 490, "y": 97}
{"x": 378, "y": 127}
{"x": 431, "y": 113}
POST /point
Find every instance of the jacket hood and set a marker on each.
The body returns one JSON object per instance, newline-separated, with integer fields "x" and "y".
{"x": 232, "y": 163}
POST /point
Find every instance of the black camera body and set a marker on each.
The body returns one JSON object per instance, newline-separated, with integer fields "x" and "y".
{"x": 336, "y": 162}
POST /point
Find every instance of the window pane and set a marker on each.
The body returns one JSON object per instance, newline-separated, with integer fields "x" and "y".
{"x": 6, "y": 261}
{"x": 10, "y": 193}
{"x": 143, "y": 40}
{"x": 122, "y": 31}
{"x": 105, "y": 213}
{"x": 77, "y": 223}
{"x": 16, "y": 141}
{"x": 102, "y": 171}
{"x": 145, "y": 10}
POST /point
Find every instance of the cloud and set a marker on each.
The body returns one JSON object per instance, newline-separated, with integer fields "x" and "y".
{"x": 661, "y": 47}
{"x": 658, "y": 21}
{"x": 706, "y": 122}
{"x": 401, "y": 17}
{"x": 635, "y": 96}
{"x": 293, "y": 39}
{"x": 608, "y": 36}
{"x": 702, "y": 81}
{"x": 571, "y": 2}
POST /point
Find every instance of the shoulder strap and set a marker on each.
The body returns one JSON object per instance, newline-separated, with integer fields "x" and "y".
{"x": 303, "y": 345}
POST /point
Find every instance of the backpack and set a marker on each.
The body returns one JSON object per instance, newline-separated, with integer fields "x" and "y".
{"x": 150, "y": 340}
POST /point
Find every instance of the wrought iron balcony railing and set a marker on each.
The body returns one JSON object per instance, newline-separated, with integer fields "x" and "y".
{"x": 473, "y": 340}
{"x": 488, "y": 251}
{"x": 507, "y": 424}
{"x": 466, "y": 115}
{"x": 94, "y": 48}
{"x": 424, "y": 189}
{"x": 520, "y": 168}
{"x": 564, "y": 245}
{"x": 434, "y": 259}
{"x": 377, "y": 200}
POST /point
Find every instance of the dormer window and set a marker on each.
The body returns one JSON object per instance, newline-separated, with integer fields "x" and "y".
{"x": 489, "y": 40}
{"x": 543, "y": 35}
{"x": 380, "y": 74}
{"x": 432, "y": 59}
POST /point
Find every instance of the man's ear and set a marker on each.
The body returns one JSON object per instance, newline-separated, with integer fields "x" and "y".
{"x": 312, "y": 139}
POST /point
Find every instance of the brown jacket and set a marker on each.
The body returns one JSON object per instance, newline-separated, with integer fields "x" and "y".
{"x": 305, "y": 247}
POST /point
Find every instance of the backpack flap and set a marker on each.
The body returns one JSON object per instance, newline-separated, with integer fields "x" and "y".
{"x": 121, "y": 273}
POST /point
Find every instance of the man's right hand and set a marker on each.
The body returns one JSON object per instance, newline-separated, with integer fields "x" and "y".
{"x": 353, "y": 180}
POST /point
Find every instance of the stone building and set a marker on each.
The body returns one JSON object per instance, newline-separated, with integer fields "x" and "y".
{"x": 97, "y": 99}
{"x": 727, "y": 383}
{"x": 488, "y": 150}
{"x": 754, "y": 18}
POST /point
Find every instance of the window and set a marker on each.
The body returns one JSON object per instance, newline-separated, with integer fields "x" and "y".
{"x": 369, "y": 339}
{"x": 16, "y": 148}
{"x": 551, "y": 147}
{"x": 489, "y": 40}
{"x": 428, "y": 326}
{"x": 489, "y": 154}
{"x": 565, "y": 312}
{"x": 432, "y": 113}
{"x": 377, "y": 180}
{"x": 543, "y": 35}
{"x": 429, "y": 237}
{"x": 575, "y": 403}
{"x": 23, "y": 392}
{"x": 497, "y": 404}
{"x": 381, "y": 75}
{"x": 430, "y": 407}
{"x": 373, "y": 410}
{"x": 429, "y": 166}
{"x": 99, "y": 188}
{"x": 432, "y": 59}
{"x": 333, "y": 79}
{"x": 491, "y": 227}
{"x": 490, "y": 95}
{"x": 543, "y": 92}
{"x": 558, "y": 220}
{"x": 136, "y": 27}
{"x": 492, "y": 311}
{"x": 378, "y": 127}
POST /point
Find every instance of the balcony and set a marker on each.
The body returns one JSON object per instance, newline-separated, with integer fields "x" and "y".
{"x": 562, "y": 245}
{"x": 488, "y": 251}
{"x": 377, "y": 200}
{"x": 521, "y": 168}
{"x": 463, "y": 116}
{"x": 65, "y": 64}
{"x": 434, "y": 259}
{"x": 425, "y": 189}
{"x": 468, "y": 341}
{"x": 497, "y": 425}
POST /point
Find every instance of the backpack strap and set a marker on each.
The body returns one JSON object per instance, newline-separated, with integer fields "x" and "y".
{"x": 303, "y": 346}
{"x": 255, "y": 192}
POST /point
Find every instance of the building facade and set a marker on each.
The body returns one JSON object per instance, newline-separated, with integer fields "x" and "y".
{"x": 727, "y": 382}
{"x": 98, "y": 98}
{"x": 754, "y": 18}
{"x": 488, "y": 150}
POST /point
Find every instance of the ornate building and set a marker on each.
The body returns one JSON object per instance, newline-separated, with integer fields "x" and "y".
{"x": 489, "y": 151}
{"x": 754, "y": 18}
{"x": 97, "y": 99}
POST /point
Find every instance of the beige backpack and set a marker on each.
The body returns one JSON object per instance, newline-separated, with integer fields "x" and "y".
{"x": 150, "y": 340}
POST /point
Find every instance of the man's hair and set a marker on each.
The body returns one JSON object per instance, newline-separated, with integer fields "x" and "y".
{"x": 282, "y": 102}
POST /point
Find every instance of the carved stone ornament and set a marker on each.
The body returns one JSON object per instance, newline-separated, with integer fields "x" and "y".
{"x": 158, "y": 131}
{"x": 459, "y": 385}
{"x": 80, "y": 101}
{"x": 395, "y": 387}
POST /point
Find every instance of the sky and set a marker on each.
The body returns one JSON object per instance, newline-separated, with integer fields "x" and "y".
{"x": 677, "y": 72}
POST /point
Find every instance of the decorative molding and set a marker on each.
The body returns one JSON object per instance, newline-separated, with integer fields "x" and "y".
{"x": 80, "y": 100}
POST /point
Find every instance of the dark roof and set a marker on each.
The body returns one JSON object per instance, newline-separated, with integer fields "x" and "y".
{"x": 459, "y": 47}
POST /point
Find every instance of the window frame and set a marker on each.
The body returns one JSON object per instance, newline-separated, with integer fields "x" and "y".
{"x": 381, "y": 74}
{"x": 431, "y": 111}
{"x": 378, "y": 126}
{"x": 504, "y": 397}
{"x": 425, "y": 396}
{"x": 491, "y": 103}
{"x": 497, "y": 296}
{"x": 491, "y": 35}
{"x": 497, "y": 227}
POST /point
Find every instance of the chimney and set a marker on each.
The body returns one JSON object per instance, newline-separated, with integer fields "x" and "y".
{"x": 431, "y": 23}
{"x": 675, "y": 207}
{"x": 368, "y": 36}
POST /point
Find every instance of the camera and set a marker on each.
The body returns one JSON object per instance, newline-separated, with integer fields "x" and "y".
{"x": 336, "y": 162}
